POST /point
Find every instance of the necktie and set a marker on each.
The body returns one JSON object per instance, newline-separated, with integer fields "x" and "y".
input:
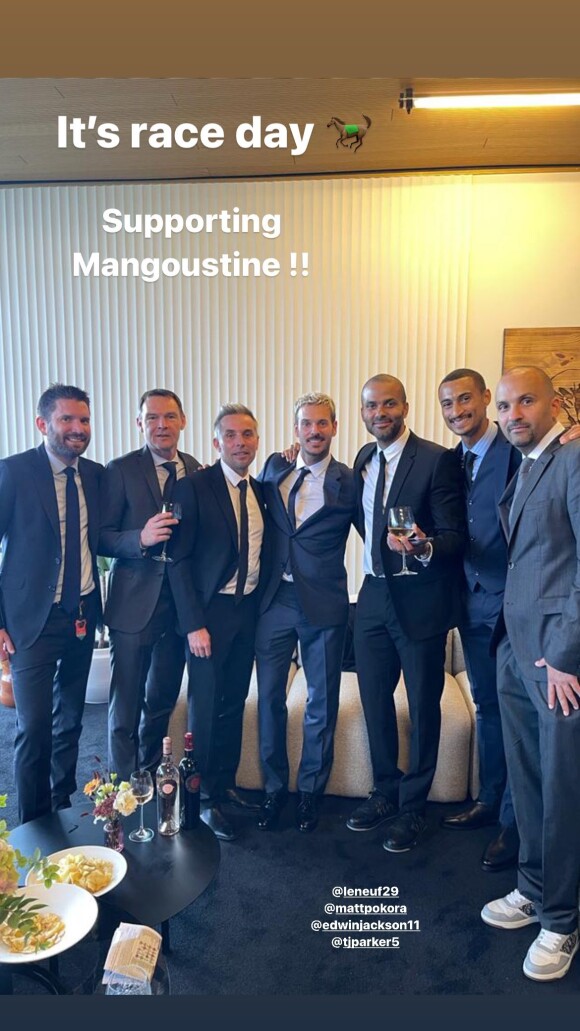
{"x": 468, "y": 463}
{"x": 294, "y": 494}
{"x": 71, "y": 580}
{"x": 379, "y": 518}
{"x": 170, "y": 481}
{"x": 244, "y": 542}
{"x": 523, "y": 472}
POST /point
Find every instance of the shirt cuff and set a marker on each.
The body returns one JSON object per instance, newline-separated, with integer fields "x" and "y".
{"x": 426, "y": 558}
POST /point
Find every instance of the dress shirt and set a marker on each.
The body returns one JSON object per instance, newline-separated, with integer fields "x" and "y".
{"x": 555, "y": 431}
{"x": 370, "y": 476}
{"x": 481, "y": 448}
{"x": 162, "y": 473}
{"x": 311, "y": 495}
{"x": 255, "y": 530}
{"x": 58, "y": 467}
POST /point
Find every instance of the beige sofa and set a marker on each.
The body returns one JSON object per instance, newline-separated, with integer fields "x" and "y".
{"x": 456, "y": 773}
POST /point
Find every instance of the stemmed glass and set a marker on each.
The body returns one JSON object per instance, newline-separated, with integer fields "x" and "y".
{"x": 168, "y": 508}
{"x": 142, "y": 787}
{"x": 401, "y": 521}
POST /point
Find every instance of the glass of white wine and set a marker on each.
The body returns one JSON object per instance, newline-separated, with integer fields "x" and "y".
{"x": 142, "y": 787}
{"x": 401, "y": 523}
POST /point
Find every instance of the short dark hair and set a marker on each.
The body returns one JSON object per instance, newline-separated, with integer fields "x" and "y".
{"x": 59, "y": 392}
{"x": 232, "y": 408}
{"x": 465, "y": 374}
{"x": 160, "y": 392}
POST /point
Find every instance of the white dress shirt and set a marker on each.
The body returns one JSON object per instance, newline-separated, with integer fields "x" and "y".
{"x": 310, "y": 497}
{"x": 370, "y": 476}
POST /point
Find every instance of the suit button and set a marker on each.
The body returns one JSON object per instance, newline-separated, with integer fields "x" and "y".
{"x": 52, "y": 588}
{"x": 511, "y": 565}
{"x": 57, "y": 560}
{"x": 472, "y": 538}
{"x": 471, "y": 519}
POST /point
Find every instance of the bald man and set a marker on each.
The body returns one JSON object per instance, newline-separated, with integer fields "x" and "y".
{"x": 538, "y": 661}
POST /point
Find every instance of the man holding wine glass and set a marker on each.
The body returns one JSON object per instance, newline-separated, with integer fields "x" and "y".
{"x": 146, "y": 596}
{"x": 410, "y": 514}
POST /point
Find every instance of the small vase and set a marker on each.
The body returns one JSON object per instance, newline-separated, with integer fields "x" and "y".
{"x": 114, "y": 836}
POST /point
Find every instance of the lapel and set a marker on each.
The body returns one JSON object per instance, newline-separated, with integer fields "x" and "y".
{"x": 189, "y": 462}
{"x": 148, "y": 469}
{"x": 282, "y": 510}
{"x": 406, "y": 462}
{"x": 364, "y": 455}
{"x": 90, "y": 490}
{"x": 533, "y": 477}
{"x": 217, "y": 482}
{"x": 44, "y": 482}
{"x": 502, "y": 450}
{"x": 257, "y": 489}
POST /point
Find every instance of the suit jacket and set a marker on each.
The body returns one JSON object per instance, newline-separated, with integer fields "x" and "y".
{"x": 429, "y": 479}
{"x": 316, "y": 548}
{"x": 130, "y": 496}
{"x": 30, "y": 535}
{"x": 542, "y": 594}
{"x": 211, "y": 540}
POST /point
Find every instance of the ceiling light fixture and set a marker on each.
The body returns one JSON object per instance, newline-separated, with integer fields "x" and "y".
{"x": 408, "y": 101}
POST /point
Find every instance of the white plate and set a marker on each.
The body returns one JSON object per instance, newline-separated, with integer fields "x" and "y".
{"x": 74, "y": 905}
{"x": 95, "y": 852}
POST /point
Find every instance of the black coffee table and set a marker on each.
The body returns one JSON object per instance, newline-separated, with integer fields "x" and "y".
{"x": 163, "y": 877}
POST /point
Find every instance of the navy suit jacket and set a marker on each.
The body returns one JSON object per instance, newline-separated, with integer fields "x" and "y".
{"x": 429, "y": 479}
{"x": 316, "y": 548}
{"x": 130, "y": 496}
{"x": 30, "y": 535}
{"x": 210, "y": 541}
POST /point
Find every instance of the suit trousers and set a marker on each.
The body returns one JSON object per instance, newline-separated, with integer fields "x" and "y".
{"x": 146, "y": 672}
{"x": 543, "y": 757}
{"x": 321, "y": 648}
{"x": 480, "y": 612}
{"x": 49, "y": 680}
{"x": 382, "y": 650}
{"x": 218, "y": 688}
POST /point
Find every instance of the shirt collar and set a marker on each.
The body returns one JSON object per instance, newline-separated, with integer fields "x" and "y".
{"x": 481, "y": 447}
{"x": 159, "y": 460}
{"x": 394, "y": 449}
{"x": 316, "y": 470}
{"x": 555, "y": 431}
{"x": 231, "y": 474}
{"x": 57, "y": 464}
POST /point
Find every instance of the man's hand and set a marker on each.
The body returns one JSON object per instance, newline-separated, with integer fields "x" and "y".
{"x": 157, "y": 529}
{"x": 564, "y": 687}
{"x": 6, "y": 647}
{"x": 200, "y": 643}
{"x": 291, "y": 453}
{"x": 572, "y": 434}
{"x": 401, "y": 544}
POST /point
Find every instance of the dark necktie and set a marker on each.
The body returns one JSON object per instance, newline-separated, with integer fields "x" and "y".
{"x": 523, "y": 472}
{"x": 244, "y": 542}
{"x": 468, "y": 463}
{"x": 294, "y": 494}
{"x": 71, "y": 580}
{"x": 379, "y": 518}
{"x": 170, "y": 481}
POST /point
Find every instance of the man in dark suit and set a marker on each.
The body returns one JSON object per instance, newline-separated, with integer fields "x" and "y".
{"x": 489, "y": 463}
{"x": 312, "y": 505}
{"x": 49, "y": 595}
{"x": 401, "y": 622}
{"x": 224, "y": 518}
{"x": 147, "y": 652}
{"x": 538, "y": 661}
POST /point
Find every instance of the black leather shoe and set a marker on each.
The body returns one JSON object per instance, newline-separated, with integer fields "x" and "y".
{"x": 478, "y": 815}
{"x": 306, "y": 812}
{"x": 404, "y": 832}
{"x": 231, "y": 796}
{"x": 371, "y": 813}
{"x": 217, "y": 822}
{"x": 270, "y": 810}
{"x": 502, "y": 852}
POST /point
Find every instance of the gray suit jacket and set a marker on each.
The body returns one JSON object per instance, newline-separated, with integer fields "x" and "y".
{"x": 542, "y": 595}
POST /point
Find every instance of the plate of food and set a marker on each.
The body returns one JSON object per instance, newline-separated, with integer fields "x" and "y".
{"x": 93, "y": 867}
{"x": 66, "y": 916}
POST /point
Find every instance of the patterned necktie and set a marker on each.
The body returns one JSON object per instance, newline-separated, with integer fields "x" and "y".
{"x": 379, "y": 518}
{"x": 468, "y": 463}
{"x": 244, "y": 543}
{"x": 71, "y": 581}
{"x": 523, "y": 472}
{"x": 294, "y": 494}
{"x": 170, "y": 481}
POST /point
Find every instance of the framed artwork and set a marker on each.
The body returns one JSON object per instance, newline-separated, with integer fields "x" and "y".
{"x": 557, "y": 352}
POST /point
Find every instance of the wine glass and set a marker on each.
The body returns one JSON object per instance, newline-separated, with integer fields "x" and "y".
{"x": 129, "y": 980}
{"x": 168, "y": 508}
{"x": 142, "y": 787}
{"x": 401, "y": 521}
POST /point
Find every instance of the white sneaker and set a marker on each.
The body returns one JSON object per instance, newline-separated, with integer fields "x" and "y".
{"x": 550, "y": 955}
{"x": 511, "y": 912}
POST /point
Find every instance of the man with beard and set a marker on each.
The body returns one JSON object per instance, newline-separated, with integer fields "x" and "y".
{"x": 401, "y": 622}
{"x": 49, "y": 595}
{"x": 311, "y": 502}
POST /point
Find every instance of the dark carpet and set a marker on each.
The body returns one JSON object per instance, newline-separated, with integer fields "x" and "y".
{"x": 251, "y": 932}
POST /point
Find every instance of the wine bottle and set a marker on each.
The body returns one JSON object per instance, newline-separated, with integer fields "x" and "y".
{"x": 190, "y": 784}
{"x": 167, "y": 779}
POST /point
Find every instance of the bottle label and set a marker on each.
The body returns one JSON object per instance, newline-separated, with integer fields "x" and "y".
{"x": 192, "y": 783}
{"x": 168, "y": 788}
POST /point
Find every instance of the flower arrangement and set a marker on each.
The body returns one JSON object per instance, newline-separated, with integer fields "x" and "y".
{"x": 17, "y": 912}
{"x": 112, "y": 798}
